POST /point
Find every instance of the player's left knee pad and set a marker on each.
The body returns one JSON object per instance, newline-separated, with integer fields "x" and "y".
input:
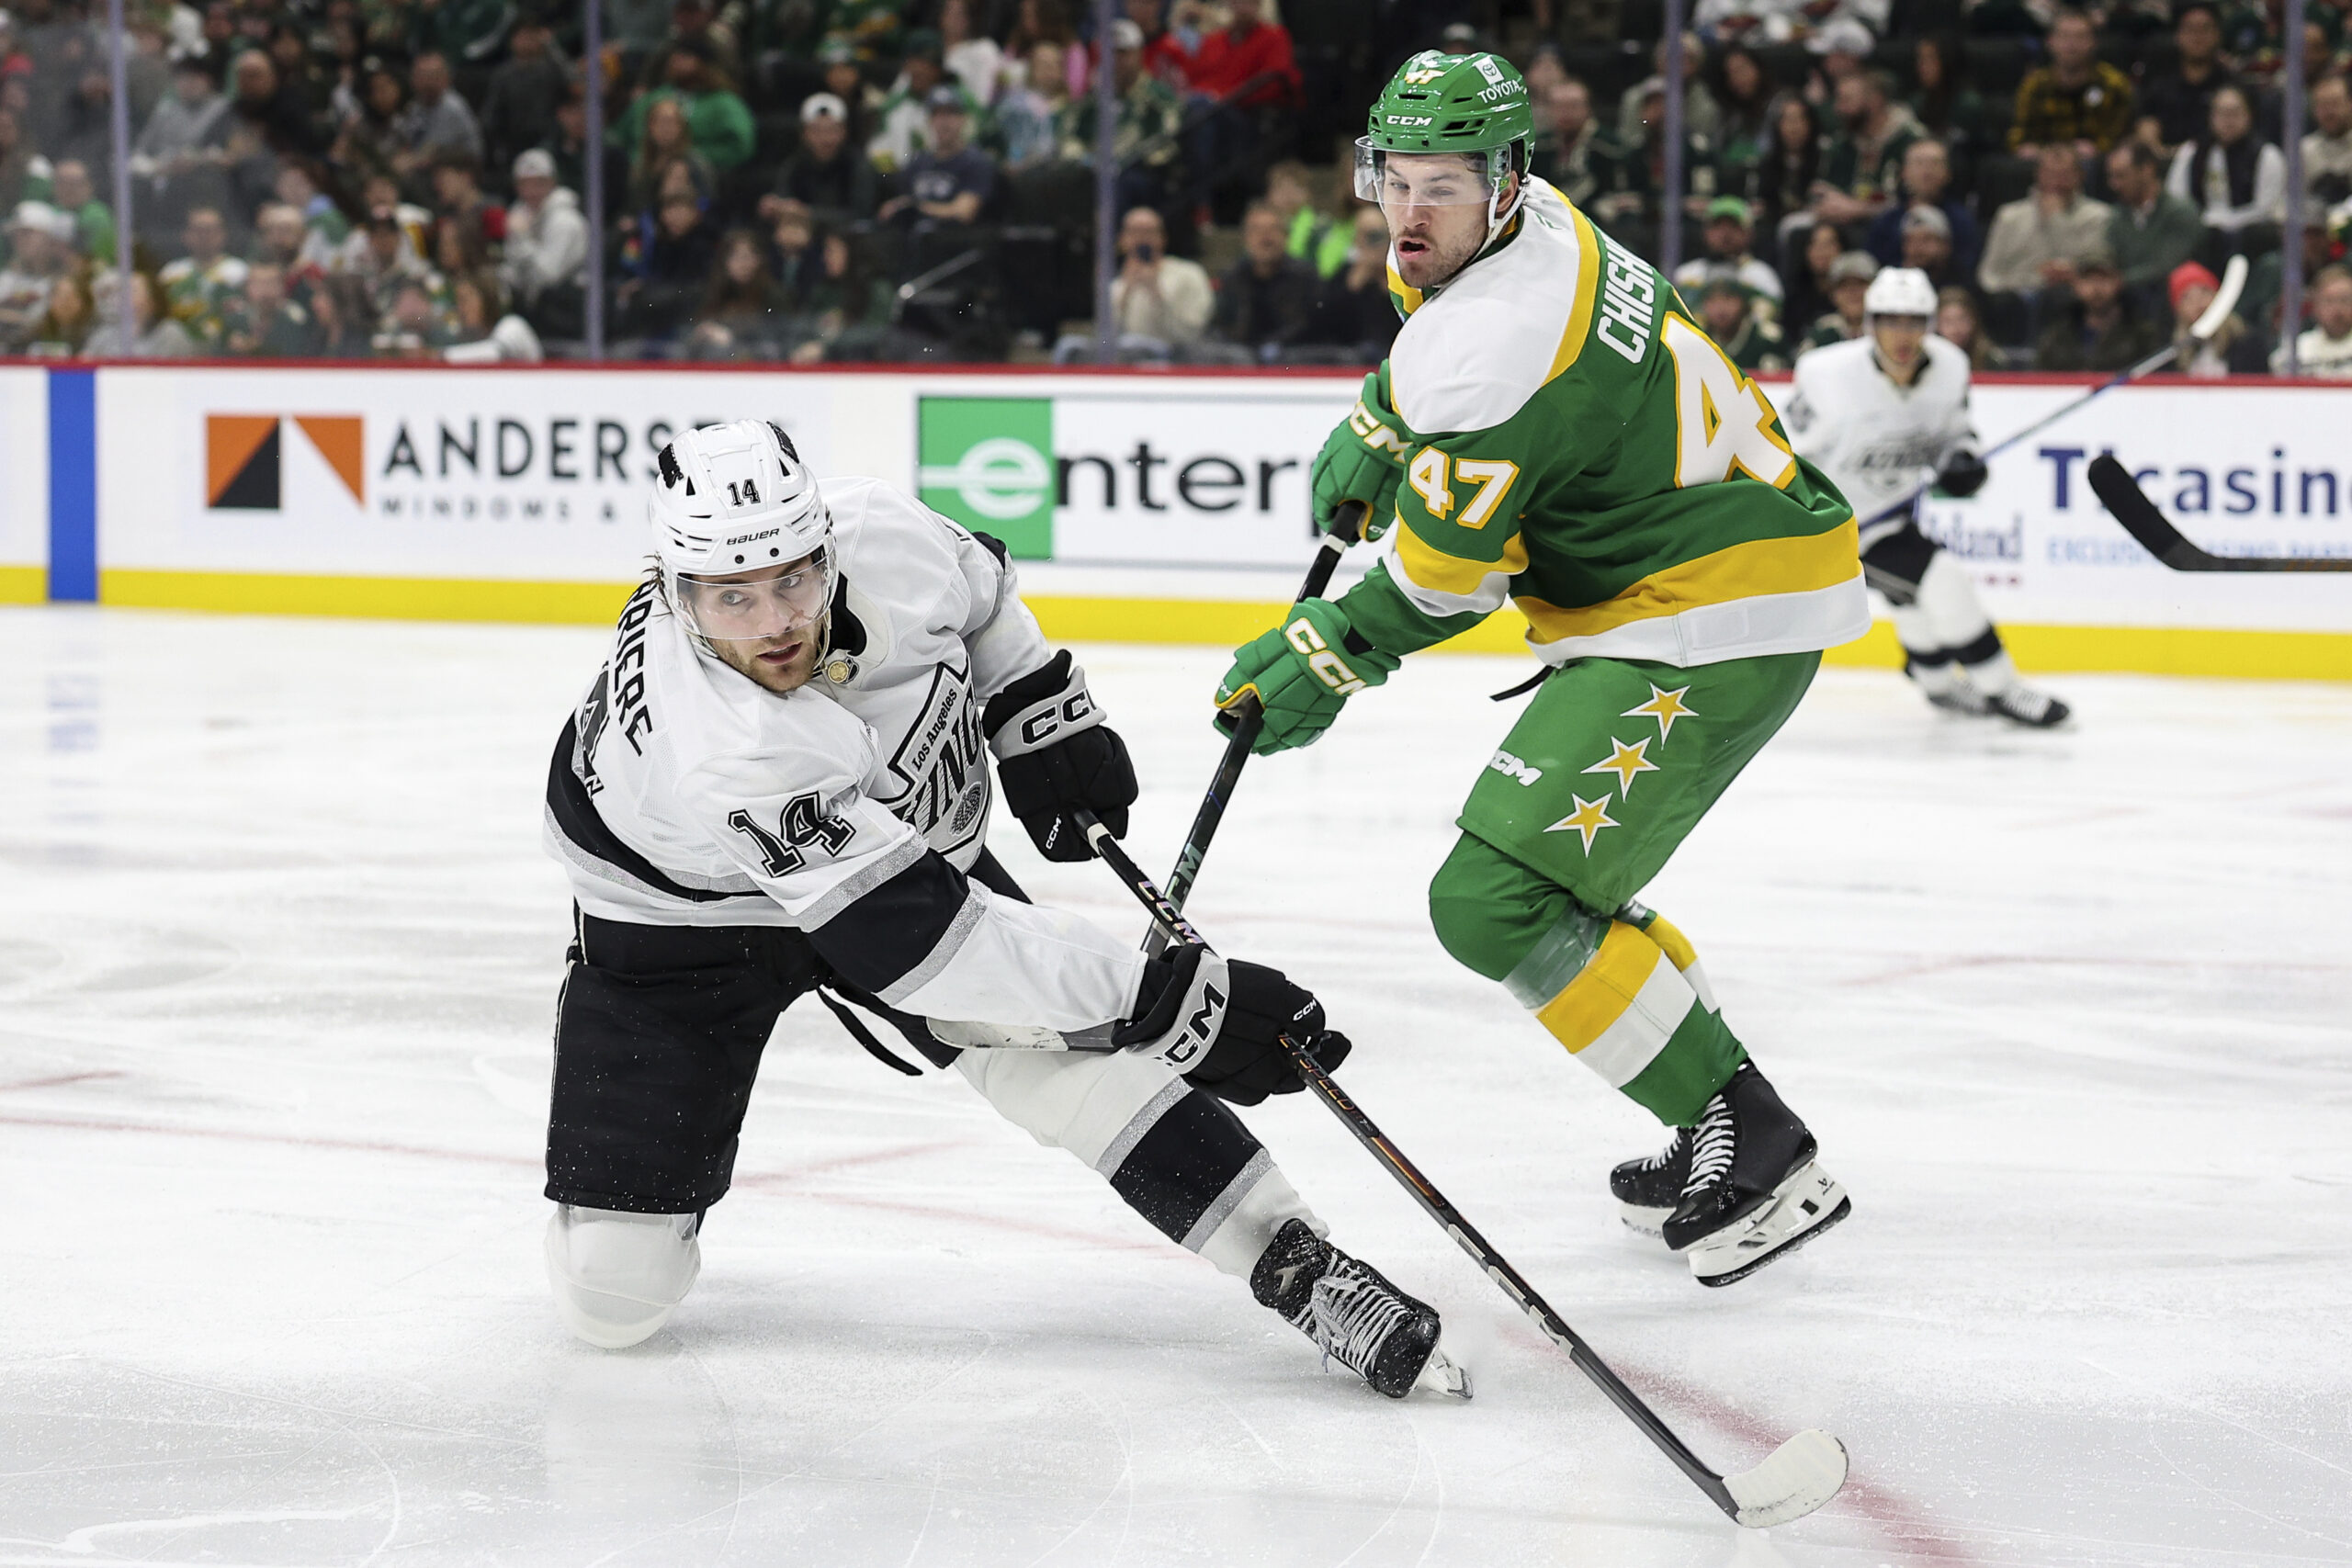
{"x": 1487, "y": 909}
{"x": 617, "y": 1277}
{"x": 1177, "y": 1155}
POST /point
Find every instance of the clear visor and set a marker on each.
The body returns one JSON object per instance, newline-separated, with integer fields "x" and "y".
{"x": 1399, "y": 180}
{"x": 753, "y": 607}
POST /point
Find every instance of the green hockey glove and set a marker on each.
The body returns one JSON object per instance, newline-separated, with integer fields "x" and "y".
{"x": 1300, "y": 672}
{"x": 1363, "y": 460}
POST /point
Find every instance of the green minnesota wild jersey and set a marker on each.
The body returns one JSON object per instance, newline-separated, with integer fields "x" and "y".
{"x": 1573, "y": 442}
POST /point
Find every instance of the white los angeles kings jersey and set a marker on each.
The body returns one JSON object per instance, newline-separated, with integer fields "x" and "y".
{"x": 682, "y": 792}
{"x": 1875, "y": 440}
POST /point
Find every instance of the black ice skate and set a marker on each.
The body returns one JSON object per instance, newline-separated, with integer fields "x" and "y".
{"x": 1649, "y": 1188}
{"x": 1754, "y": 1190}
{"x": 2023, "y": 705}
{"x": 1351, "y": 1311}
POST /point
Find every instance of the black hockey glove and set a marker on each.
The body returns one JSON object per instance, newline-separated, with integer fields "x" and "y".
{"x": 1054, "y": 753}
{"x": 1219, "y": 1022}
{"x": 1963, "y": 475}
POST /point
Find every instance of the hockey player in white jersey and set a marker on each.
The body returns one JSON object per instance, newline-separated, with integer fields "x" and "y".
{"x": 777, "y": 784}
{"x": 1877, "y": 413}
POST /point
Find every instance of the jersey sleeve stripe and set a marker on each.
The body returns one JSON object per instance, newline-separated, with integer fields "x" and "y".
{"x": 903, "y": 932}
{"x": 1428, "y": 566}
{"x": 1587, "y": 292}
{"x": 1797, "y": 565}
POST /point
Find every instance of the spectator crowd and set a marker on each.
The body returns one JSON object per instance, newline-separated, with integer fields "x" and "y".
{"x": 826, "y": 180}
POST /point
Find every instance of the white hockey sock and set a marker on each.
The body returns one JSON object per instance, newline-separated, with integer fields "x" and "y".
{"x": 1241, "y": 1238}
{"x": 1952, "y": 616}
{"x": 1992, "y": 676}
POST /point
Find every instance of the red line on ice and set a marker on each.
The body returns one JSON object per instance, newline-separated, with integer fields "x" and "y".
{"x": 1897, "y": 1515}
{"x": 286, "y": 1140}
{"x": 57, "y": 1082}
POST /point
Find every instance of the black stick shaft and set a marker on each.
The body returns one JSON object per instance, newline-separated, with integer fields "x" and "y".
{"x": 1345, "y": 529}
{"x": 1513, "y": 1284}
{"x": 1433, "y": 1202}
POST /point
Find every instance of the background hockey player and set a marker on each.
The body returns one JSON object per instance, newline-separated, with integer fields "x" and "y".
{"x": 1551, "y": 426}
{"x": 1878, "y": 414}
{"x": 778, "y": 783}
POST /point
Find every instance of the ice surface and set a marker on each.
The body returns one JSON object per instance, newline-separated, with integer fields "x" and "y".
{"x": 277, "y": 962}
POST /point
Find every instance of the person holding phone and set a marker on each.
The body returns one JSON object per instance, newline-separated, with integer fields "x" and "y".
{"x": 1164, "y": 300}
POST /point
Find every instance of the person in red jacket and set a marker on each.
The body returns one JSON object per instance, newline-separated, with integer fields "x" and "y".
{"x": 1233, "y": 78}
{"x": 1248, "y": 65}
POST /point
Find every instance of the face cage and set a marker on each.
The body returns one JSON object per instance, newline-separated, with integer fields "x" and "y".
{"x": 784, "y": 617}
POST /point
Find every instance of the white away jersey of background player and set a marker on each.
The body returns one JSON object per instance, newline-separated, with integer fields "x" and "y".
{"x": 687, "y": 795}
{"x": 1876, "y": 440}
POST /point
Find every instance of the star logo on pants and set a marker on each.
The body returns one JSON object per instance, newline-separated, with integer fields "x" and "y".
{"x": 1588, "y": 818}
{"x": 1625, "y": 761}
{"x": 1663, "y": 706}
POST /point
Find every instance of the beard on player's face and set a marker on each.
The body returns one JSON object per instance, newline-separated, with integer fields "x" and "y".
{"x": 782, "y": 663}
{"x": 1435, "y": 240}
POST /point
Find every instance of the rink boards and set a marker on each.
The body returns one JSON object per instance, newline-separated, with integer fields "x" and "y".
{"x": 1145, "y": 506}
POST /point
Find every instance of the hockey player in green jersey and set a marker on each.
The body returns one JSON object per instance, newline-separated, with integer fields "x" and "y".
{"x": 1553, "y": 427}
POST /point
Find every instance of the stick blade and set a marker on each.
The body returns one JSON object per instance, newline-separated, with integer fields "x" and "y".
{"x": 1794, "y": 1479}
{"x": 2225, "y": 300}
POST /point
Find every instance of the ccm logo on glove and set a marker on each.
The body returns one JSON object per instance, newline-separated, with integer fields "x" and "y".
{"x": 1039, "y": 728}
{"x": 1329, "y": 667}
{"x": 1198, "y": 1030}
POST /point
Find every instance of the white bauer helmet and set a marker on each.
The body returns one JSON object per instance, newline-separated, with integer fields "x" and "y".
{"x": 1900, "y": 291}
{"x": 733, "y": 510}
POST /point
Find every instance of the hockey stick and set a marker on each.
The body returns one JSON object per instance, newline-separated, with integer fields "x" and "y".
{"x": 2129, "y": 505}
{"x": 2201, "y": 331}
{"x": 1793, "y": 1480}
{"x": 1346, "y": 528}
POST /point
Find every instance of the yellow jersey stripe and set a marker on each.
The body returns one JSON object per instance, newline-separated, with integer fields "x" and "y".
{"x": 1677, "y": 946}
{"x": 1410, "y": 296}
{"x": 1603, "y": 989}
{"x": 1799, "y": 565}
{"x": 1432, "y": 568}
{"x": 1587, "y": 294}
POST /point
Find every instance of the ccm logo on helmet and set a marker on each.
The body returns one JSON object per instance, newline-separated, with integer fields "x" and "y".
{"x": 1039, "y": 727}
{"x": 1410, "y": 120}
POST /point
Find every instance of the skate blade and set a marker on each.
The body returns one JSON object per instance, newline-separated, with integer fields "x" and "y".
{"x": 1444, "y": 1374}
{"x": 2051, "y": 717}
{"x": 1800, "y": 1208}
{"x": 1642, "y": 1221}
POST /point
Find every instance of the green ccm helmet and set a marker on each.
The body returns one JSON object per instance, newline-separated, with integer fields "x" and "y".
{"x": 1474, "y": 105}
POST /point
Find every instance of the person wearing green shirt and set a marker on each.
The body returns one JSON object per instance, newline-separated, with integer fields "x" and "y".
{"x": 93, "y": 219}
{"x": 2151, "y": 231}
{"x": 717, "y": 120}
{"x": 1553, "y": 427}
{"x": 1313, "y": 237}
